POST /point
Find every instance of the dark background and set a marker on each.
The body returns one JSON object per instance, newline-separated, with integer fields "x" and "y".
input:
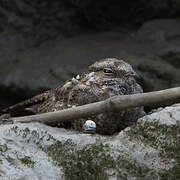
{"x": 44, "y": 43}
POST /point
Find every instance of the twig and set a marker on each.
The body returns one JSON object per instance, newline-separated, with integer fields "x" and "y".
{"x": 115, "y": 103}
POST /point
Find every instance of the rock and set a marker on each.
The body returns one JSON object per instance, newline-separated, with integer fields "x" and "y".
{"x": 31, "y": 67}
{"x": 68, "y": 16}
{"x": 146, "y": 150}
{"x": 159, "y": 30}
{"x": 172, "y": 58}
{"x": 161, "y": 38}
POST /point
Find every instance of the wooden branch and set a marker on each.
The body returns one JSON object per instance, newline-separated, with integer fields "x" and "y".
{"x": 115, "y": 103}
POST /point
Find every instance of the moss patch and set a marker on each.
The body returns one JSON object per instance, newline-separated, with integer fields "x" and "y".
{"x": 164, "y": 139}
{"x": 95, "y": 162}
{"x": 100, "y": 161}
{"x": 90, "y": 162}
{"x": 27, "y": 161}
{"x": 3, "y": 148}
{"x": 128, "y": 168}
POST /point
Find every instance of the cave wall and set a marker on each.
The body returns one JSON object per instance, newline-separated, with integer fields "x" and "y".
{"x": 49, "y": 18}
{"x": 26, "y": 24}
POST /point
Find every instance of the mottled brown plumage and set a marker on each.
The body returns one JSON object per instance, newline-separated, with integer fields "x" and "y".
{"x": 103, "y": 79}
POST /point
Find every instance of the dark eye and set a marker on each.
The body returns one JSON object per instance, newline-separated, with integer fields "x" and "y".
{"x": 108, "y": 70}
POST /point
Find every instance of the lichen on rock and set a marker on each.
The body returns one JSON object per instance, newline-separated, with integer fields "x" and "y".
{"x": 146, "y": 150}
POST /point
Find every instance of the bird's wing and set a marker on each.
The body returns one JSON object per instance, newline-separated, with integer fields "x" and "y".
{"x": 24, "y": 107}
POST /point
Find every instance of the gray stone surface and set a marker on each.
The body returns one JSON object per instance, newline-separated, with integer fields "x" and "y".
{"x": 48, "y": 18}
{"x": 146, "y": 150}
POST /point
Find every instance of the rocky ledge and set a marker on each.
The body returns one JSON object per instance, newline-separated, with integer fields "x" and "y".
{"x": 150, "y": 149}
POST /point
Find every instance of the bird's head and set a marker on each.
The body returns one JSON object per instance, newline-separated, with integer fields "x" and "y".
{"x": 113, "y": 68}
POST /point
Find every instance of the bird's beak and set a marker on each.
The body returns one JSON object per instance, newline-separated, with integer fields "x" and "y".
{"x": 136, "y": 76}
{"x": 131, "y": 74}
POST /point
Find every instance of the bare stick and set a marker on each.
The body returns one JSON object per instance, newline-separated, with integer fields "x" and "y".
{"x": 115, "y": 103}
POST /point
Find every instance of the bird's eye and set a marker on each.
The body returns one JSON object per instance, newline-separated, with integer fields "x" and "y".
{"x": 108, "y": 70}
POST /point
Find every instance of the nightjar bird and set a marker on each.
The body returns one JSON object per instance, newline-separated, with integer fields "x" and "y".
{"x": 103, "y": 79}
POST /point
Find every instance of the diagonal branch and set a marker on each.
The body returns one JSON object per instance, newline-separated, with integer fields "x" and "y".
{"x": 115, "y": 103}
